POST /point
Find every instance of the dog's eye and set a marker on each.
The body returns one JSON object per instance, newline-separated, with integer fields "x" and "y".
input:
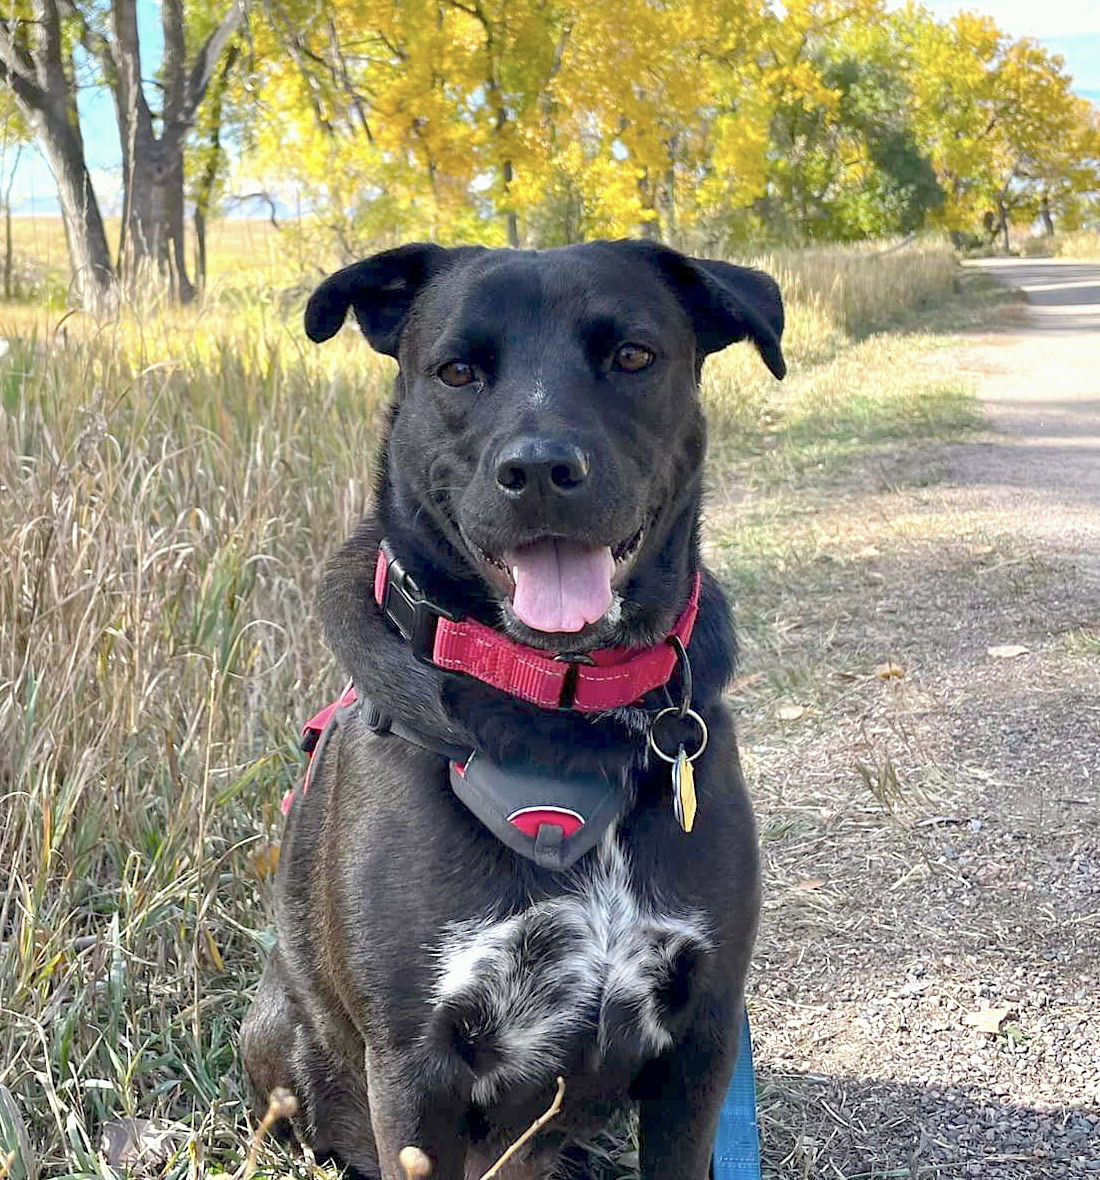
{"x": 632, "y": 358}
{"x": 456, "y": 374}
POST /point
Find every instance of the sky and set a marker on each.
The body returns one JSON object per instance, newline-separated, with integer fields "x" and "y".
{"x": 1068, "y": 27}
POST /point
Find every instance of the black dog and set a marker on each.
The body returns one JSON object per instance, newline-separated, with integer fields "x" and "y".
{"x": 487, "y": 884}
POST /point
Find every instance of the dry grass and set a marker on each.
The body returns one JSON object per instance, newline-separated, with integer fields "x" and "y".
{"x": 242, "y": 254}
{"x": 834, "y": 297}
{"x": 169, "y": 486}
{"x": 1084, "y": 244}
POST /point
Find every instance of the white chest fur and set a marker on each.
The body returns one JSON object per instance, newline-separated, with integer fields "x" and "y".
{"x": 591, "y": 966}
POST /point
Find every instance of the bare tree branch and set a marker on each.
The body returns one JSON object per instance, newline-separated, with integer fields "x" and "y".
{"x": 49, "y": 61}
{"x": 174, "y": 65}
{"x": 265, "y": 197}
{"x": 130, "y": 98}
{"x": 343, "y": 76}
{"x": 94, "y": 42}
{"x": 207, "y": 58}
{"x": 15, "y": 61}
{"x": 25, "y": 89}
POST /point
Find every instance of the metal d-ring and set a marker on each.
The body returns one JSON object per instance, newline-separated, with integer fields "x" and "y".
{"x": 685, "y": 675}
{"x": 704, "y": 734}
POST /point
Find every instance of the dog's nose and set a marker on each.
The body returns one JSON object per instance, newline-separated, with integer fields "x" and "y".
{"x": 541, "y": 466}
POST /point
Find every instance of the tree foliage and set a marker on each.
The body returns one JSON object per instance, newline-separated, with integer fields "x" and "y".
{"x": 706, "y": 122}
{"x": 703, "y": 121}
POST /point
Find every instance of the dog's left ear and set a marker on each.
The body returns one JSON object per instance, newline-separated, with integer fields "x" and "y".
{"x": 380, "y": 290}
{"x": 727, "y": 303}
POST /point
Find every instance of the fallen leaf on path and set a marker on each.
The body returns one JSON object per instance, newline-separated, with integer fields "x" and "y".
{"x": 1008, "y": 651}
{"x": 791, "y": 712}
{"x": 987, "y": 1020}
{"x": 809, "y": 883}
{"x": 889, "y": 671}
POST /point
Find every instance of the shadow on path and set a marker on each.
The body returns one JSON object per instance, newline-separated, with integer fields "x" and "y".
{"x": 859, "y": 1128}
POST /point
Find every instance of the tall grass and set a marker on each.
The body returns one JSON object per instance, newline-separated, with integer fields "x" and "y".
{"x": 834, "y": 296}
{"x": 168, "y": 490}
{"x": 1084, "y": 244}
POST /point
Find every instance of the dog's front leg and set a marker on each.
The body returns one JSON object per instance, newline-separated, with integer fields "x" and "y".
{"x": 406, "y": 1110}
{"x": 680, "y": 1099}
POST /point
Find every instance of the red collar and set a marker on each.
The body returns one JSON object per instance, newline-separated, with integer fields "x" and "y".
{"x": 615, "y": 677}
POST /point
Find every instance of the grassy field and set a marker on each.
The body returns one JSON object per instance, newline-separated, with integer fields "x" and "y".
{"x": 240, "y": 252}
{"x": 169, "y": 487}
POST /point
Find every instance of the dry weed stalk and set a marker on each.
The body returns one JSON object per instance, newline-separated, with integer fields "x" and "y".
{"x": 531, "y": 1131}
{"x": 280, "y": 1105}
{"x": 417, "y": 1166}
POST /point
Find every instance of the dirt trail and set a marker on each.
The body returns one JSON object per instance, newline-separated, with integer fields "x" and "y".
{"x": 926, "y": 999}
{"x": 1040, "y": 385}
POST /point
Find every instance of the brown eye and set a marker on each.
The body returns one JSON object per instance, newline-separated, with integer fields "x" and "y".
{"x": 456, "y": 374}
{"x": 632, "y": 358}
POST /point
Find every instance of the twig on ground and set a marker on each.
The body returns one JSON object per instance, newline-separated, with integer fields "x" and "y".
{"x": 281, "y": 1104}
{"x": 531, "y": 1131}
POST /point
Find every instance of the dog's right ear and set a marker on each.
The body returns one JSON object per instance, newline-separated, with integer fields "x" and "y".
{"x": 380, "y": 290}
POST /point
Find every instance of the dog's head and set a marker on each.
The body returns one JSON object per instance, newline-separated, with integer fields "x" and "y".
{"x": 547, "y": 426}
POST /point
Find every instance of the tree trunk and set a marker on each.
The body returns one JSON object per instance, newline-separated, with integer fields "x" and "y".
{"x": 208, "y": 177}
{"x": 8, "y": 249}
{"x": 1044, "y": 213}
{"x": 45, "y": 92}
{"x": 650, "y": 229}
{"x": 153, "y": 165}
{"x": 93, "y": 274}
{"x": 152, "y": 250}
{"x": 199, "y": 218}
{"x": 174, "y": 222}
{"x": 511, "y": 219}
{"x": 155, "y": 241}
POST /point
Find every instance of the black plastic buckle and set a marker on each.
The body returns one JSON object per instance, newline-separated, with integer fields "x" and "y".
{"x": 569, "y": 682}
{"x": 406, "y": 607}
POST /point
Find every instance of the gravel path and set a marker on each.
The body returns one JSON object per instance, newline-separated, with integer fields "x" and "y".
{"x": 927, "y": 988}
{"x": 1041, "y": 387}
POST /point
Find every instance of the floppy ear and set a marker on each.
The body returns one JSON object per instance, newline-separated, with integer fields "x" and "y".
{"x": 380, "y": 290}
{"x": 728, "y": 303}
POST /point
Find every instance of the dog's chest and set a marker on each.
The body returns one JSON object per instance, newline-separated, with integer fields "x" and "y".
{"x": 595, "y": 972}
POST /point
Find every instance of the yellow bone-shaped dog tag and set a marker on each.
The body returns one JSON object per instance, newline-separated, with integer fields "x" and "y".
{"x": 684, "y": 802}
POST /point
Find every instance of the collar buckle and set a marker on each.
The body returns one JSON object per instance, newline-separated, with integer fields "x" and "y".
{"x": 404, "y": 603}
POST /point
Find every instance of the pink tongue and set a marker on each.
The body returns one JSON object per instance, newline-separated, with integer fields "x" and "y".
{"x": 560, "y": 585}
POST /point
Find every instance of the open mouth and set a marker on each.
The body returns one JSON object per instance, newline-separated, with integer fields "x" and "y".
{"x": 559, "y": 585}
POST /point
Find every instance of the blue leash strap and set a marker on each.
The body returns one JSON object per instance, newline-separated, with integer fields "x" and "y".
{"x": 737, "y": 1144}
